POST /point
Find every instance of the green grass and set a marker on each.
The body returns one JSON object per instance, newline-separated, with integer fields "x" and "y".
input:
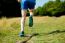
{"x": 46, "y": 27}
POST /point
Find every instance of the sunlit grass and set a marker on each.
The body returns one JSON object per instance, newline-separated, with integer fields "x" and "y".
{"x": 10, "y": 28}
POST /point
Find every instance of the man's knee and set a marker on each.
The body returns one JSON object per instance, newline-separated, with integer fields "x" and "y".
{"x": 23, "y": 12}
{"x": 24, "y": 15}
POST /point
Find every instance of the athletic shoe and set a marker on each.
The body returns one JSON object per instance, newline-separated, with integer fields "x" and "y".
{"x": 21, "y": 34}
{"x": 30, "y": 21}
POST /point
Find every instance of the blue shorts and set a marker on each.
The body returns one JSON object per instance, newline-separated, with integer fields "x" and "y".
{"x": 27, "y": 4}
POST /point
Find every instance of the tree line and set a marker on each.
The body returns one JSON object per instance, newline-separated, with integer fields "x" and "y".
{"x": 51, "y": 8}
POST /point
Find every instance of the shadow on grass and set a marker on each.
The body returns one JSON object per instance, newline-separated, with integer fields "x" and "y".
{"x": 57, "y": 31}
{"x": 29, "y": 37}
{"x": 41, "y": 34}
{"x": 53, "y": 32}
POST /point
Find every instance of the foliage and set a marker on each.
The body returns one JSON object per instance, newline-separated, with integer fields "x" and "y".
{"x": 51, "y": 8}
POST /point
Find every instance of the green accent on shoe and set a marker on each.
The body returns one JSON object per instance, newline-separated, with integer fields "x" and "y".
{"x": 30, "y": 21}
{"x": 21, "y": 34}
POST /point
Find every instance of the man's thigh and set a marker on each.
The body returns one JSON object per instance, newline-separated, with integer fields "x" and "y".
{"x": 23, "y": 12}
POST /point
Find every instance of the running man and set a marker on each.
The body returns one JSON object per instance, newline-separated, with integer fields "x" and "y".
{"x": 26, "y": 5}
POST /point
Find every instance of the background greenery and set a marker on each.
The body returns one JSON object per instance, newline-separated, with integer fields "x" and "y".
{"x": 51, "y": 8}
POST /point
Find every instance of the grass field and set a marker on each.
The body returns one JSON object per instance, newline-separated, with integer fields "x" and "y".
{"x": 45, "y": 30}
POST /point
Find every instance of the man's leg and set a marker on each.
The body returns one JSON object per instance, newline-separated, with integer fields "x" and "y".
{"x": 31, "y": 18}
{"x": 23, "y": 12}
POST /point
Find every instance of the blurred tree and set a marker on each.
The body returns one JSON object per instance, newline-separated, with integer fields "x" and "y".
{"x": 57, "y": 0}
{"x": 51, "y": 8}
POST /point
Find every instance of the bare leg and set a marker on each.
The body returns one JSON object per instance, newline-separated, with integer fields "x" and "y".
{"x": 23, "y": 12}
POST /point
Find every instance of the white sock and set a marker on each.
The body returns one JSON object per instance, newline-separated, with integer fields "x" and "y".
{"x": 31, "y": 13}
